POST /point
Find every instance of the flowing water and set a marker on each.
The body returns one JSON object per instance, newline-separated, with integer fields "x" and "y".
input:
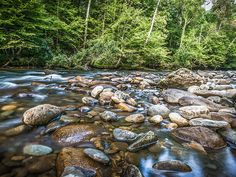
{"x": 27, "y": 89}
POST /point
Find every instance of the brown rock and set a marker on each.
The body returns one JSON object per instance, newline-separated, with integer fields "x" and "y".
{"x": 202, "y": 135}
{"x": 41, "y": 115}
{"x": 182, "y": 78}
{"x": 75, "y": 157}
{"x": 125, "y": 107}
{"x": 74, "y": 134}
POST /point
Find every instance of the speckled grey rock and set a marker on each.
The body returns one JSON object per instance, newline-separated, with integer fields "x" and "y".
{"x": 36, "y": 149}
{"x": 124, "y": 135}
{"x": 159, "y": 109}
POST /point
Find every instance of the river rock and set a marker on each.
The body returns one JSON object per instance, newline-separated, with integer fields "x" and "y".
{"x": 109, "y": 116}
{"x": 172, "y": 165}
{"x": 173, "y": 95}
{"x": 208, "y": 123}
{"x": 143, "y": 141}
{"x": 190, "y": 112}
{"x": 202, "y": 135}
{"x": 195, "y": 146}
{"x": 171, "y": 125}
{"x": 124, "y": 135}
{"x": 131, "y": 171}
{"x": 17, "y": 130}
{"x": 9, "y": 107}
{"x": 125, "y": 107}
{"x": 222, "y": 116}
{"x": 89, "y": 101}
{"x": 72, "y": 171}
{"x": 75, "y": 157}
{"x": 182, "y": 78}
{"x": 178, "y": 119}
{"x": 155, "y": 119}
{"x": 41, "y": 115}
{"x": 230, "y": 137}
{"x": 96, "y": 91}
{"x": 41, "y": 164}
{"x": 36, "y": 149}
{"x": 74, "y": 134}
{"x": 199, "y": 101}
{"x": 135, "y": 118}
{"x": 159, "y": 109}
{"x": 105, "y": 97}
{"x": 230, "y": 93}
{"x": 97, "y": 155}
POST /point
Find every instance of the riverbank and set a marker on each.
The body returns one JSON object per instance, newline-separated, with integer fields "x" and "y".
{"x": 119, "y": 123}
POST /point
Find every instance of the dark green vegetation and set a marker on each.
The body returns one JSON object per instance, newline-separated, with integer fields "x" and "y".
{"x": 118, "y": 33}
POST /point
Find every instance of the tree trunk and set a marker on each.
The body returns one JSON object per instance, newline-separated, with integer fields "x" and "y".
{"x": 183, "y": 32}
{"x": 153, "y": 21}
{"x": 86, "y": 23}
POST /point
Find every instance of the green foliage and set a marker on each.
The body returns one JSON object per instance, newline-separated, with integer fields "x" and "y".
{"x": 183, "y": 34}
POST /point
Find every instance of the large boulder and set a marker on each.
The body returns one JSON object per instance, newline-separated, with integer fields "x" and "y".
{"x": 41, "y": 115}
{"x": 74, "y": 134}
{"x": 182, "y": 78}
{"x": 75, "y": 157}
{"x": 173, "y": 95}
{"x": 202, "y": 135}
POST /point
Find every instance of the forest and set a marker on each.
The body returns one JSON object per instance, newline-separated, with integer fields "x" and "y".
{"x": 112, "y": 34}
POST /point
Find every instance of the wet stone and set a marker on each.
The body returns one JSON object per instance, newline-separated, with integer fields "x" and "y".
{"x": 109, "y": 116}
{"x": 158, "y": 110}
{"x": 72, "y": 171}
{"x": 208, "y": 123}
{"x": 174, "y": 95}
{"x": 89, "y": 101}
{"x": 178, "y": 119}
{"x": 41, "y": 115}
{"x": 97, "y": 155}
{"x": 143, "y": 141}
{"x": 135, "y": 118}
{"x": 155, "y": 119}
{"x": 96, "y": 91}
{"x": 125, "y": 107}
{"x": 172, "y": 165}
{"x": 202, "y": 135}
{"x": 17, "y": 130}
{"x": 230, "y": 137}
{"x": 132, "y": 171}
{"x": 190, "y": 112}
{"x": 124, "y": 135}
{"x": 36, "y": 149}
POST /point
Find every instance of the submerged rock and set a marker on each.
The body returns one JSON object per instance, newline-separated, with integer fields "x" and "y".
{"x": 109, "y": 116}
{"x": 172, "y": 165}
{"x": 208, "y": 123}
{"x": 131, "y": 171}
{"x": 125, "y": 107}
{"x": 190, "y": 112}
{"x": 97, "y": 155}
{"x": 143, "y": 141}
{"x": 182, "y": 78}
{"x": 135, "y": 118}
{"x": 124, "y": 135}
{"x": 89, "y": 101}
{"x": 41, "y": 115}
{"x": 72, "y": 171}
{"x": 17, "y": 130}
{"x": 202, "y": 135}
{"x": 36, "y": 149}
{"x": 230, "y": 137}
{"x": 158, "y": 110}
{"x": 75, "y": 157}
{"x": 173, "y": 95}
{"x": 74, "y": 134}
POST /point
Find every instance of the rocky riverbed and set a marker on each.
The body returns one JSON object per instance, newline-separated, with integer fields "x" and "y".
{"x": 111, "y": 124}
